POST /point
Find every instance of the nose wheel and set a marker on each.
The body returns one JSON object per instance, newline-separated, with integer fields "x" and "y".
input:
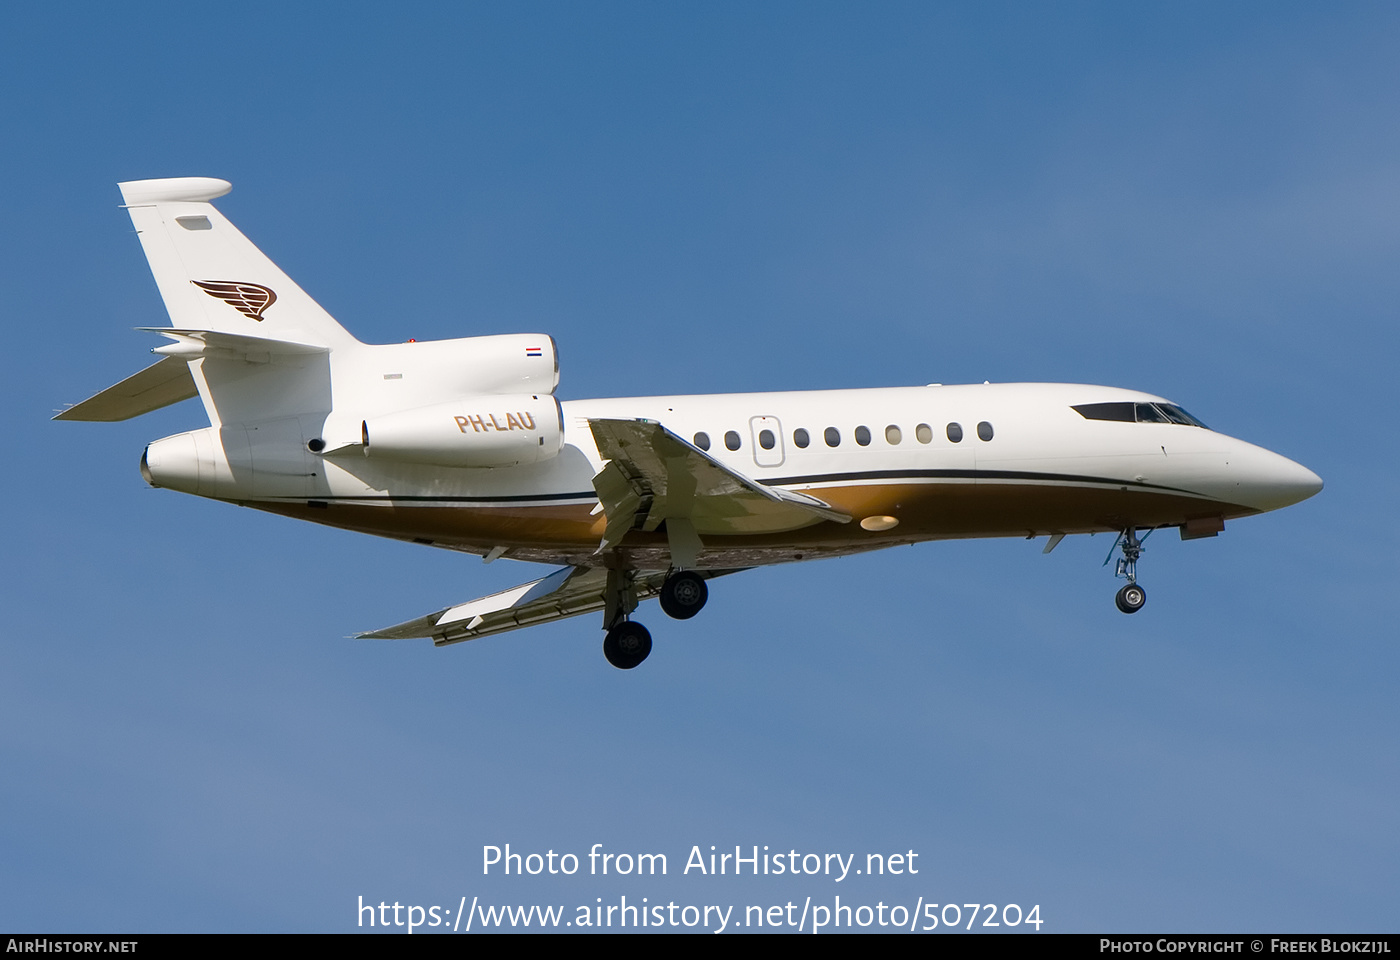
{"x": 1130, "y": 598}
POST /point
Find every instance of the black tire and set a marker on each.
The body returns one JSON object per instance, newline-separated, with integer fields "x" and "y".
{"x": 627, "y": 645}
{"x": 1131, "y": 598}
{"x": 683, "y": 595}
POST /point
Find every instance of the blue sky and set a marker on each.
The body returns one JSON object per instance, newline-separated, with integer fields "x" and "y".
{"x": 1199, "y": 200}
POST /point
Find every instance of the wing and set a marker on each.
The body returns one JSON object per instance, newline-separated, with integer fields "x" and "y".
{"x": 567, "y": 592}
{"x": 653, "y": 475}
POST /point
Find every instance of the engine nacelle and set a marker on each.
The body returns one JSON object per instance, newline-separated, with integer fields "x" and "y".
{"x": 264, "y": 459}
{"x": 476, "y": 431}
{"x": 386, "y": 378}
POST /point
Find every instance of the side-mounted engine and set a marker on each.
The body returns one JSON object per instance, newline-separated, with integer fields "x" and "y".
{"x": 387, "y": 378}
{"x": 473, "y": 402}
{"x": 476, "y": 431}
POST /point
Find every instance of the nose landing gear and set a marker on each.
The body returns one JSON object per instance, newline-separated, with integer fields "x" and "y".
{"x": 1131, "y": 597}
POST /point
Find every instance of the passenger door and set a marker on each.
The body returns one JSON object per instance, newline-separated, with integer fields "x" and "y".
{"x": 767, "y": 436}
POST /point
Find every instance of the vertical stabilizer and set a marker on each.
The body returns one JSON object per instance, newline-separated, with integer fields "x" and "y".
{"x": 215, "y": 283}
{"x": 210, "y": 276}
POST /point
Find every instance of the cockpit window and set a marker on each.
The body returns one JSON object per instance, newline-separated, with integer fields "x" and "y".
{"x": 1106, "y": 411}
{"x": 1147, "y": 413}
{"x": 1128, "y": 411}
{"x": 1178, "y": 415}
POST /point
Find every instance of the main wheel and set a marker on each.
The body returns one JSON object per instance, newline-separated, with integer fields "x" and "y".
{"x": 683, "y": 594}
{"x": 627, "y": 645}
{"x": 1131, "y": 598}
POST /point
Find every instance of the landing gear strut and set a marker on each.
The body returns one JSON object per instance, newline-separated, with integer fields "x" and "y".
{"x": 1131, "y": 597}
{"x": 683, "y": 594}
{"x": 627, "y": 643}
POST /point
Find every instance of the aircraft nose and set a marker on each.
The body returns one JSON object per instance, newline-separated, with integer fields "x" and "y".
{"x": 1269, "y": 481}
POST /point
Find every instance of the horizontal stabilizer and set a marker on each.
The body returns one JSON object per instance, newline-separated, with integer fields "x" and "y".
{"x": 164, "y": 382}
{"x": 567, "y": 592}
{"x": 216, "y": 345}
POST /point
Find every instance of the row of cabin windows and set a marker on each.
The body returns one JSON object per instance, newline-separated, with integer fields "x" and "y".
{"x": 802, "y": 439}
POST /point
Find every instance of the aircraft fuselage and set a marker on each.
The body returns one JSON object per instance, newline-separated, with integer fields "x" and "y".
{"x": 1024, "y": 463}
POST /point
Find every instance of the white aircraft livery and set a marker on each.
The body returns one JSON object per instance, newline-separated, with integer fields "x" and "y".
{"x": 462, "y": 444}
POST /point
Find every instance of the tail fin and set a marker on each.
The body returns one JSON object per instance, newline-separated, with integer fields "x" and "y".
{"x": 210, "y": 276}
{"x": 257, "y": 346}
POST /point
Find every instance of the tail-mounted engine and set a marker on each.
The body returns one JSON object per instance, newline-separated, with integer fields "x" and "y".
{"x": 484, "y": 430}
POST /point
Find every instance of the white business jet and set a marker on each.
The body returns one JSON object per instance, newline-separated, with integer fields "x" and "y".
{"x": 462, "y": 444}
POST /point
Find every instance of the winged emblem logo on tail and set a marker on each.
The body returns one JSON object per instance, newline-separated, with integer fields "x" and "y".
{"x": 249, "y": 299}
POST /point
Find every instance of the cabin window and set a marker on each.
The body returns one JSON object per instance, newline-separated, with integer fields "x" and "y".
{"x": 766, "y": 440}
{"x": 832, "y": 436}
{"x": 923, "y": 433}
{"x": 731, "y": 440}
{"x": 702, "y": 440}
{"x": 892, "y": 435}
{"x": 955, "y": 432}
{"x": 863, "y": 436}
{"x": 800, "y": 437}
{"x": 984, "y": 430}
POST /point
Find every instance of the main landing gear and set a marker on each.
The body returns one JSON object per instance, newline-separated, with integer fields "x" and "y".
{"x": 627, "y": 643}
{"x": 1131, "y": 597}
{"x": 683, "y": 594}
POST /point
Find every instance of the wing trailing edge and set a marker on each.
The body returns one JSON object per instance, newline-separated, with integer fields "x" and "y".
{"x": 567, "y": 592}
